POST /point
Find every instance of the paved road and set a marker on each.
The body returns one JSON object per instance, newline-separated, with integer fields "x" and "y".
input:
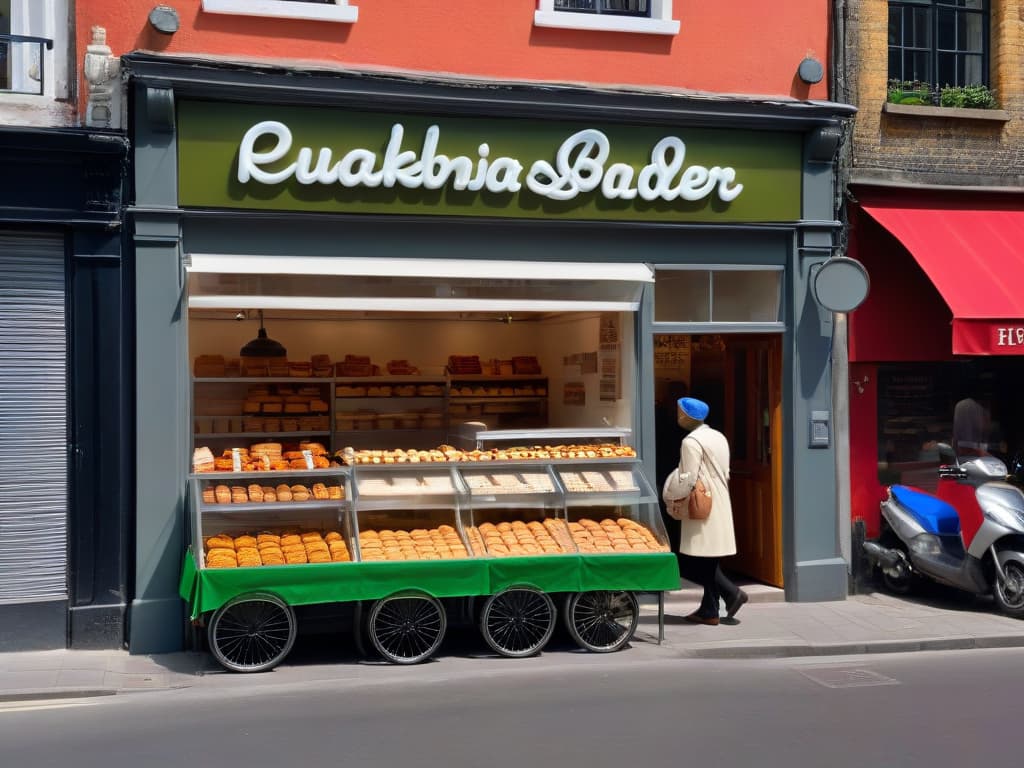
{"x": 924, "y": 709}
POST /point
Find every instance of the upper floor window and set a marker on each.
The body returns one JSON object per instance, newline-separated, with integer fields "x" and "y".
{"x": 622, "y": 7}
{"x": 645, "y": 16}
{"x": 312, "y": 10}
{"x": 939, "y": 42}
{"x": 33, "y": 48}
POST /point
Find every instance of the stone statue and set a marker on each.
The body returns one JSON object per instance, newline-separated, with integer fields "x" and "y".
{"x": 102, "y": 74}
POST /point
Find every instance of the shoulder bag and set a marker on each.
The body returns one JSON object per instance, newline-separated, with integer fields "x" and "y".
{"x": 699, "y": 502}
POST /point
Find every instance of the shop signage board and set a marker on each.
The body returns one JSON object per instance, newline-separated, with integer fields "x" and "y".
{"x": 288, "y": 158}
{"x": 988, "y": 337}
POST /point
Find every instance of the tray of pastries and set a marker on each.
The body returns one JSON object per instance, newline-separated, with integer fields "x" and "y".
{"x": 465, "y": 364}
{"x": 261, "y": 457}
{"x": 594, "y": 481}
{"x": 275, "y": 547}
{"x": 498, "y": 483}
{"x": 440, "y": 543}
{"x": 519, "y": 538}
{"x": 442, "y": 453}
{"x": 257, "y": 493}
{"x": 607, "y": 536}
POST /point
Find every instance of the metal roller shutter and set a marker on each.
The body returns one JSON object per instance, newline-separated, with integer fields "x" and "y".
{"x": 33, "y": 419}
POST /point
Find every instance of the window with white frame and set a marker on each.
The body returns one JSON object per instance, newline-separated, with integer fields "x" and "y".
{"x": 312, "y": 10}
{"x": 34, "y": 48}
{"x": 642, "y": 16}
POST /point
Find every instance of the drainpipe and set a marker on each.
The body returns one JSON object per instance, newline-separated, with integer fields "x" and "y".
{"x": 841, "y": 426}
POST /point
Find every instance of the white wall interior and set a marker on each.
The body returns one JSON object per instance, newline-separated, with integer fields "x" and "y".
{"x": 426, "y": 342}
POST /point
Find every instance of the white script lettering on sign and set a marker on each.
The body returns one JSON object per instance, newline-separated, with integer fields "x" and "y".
{"x": 1010, "y": 337}
{"x": 579, "y": 167}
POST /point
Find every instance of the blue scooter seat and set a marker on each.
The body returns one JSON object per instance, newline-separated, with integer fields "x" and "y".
{"x": 935, "y": 515}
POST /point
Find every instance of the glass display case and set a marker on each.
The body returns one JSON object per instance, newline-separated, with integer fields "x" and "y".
{"x": 611, "y": 508}
{"x": 408, "y": 512}
{"x": 252, "y": 519}
{"x": 476, "y": 435}
{"x": 514, "y": 511}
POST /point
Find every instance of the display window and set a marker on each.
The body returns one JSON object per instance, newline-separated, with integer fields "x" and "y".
{"x": 971, "y": 405}
{"x": 399, "y": 355}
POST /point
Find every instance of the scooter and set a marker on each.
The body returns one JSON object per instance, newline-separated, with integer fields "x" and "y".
{"x": 976, "y": 546}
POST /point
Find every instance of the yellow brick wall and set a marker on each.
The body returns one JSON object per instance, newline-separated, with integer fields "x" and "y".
{"x": 935, "y": 150}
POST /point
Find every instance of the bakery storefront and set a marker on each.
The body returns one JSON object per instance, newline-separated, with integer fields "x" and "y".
{"x": 405, "y": 290}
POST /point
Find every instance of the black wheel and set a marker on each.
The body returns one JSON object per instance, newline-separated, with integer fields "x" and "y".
{"x": 602, "y": 621}
{"x": 518, "y": 622}
{"x": 898, "y": 581}
{"x": 1009, "y": 592}
{"x": 252, "y": 633}
{"x": 407, "y": 628}
{"x": 899, "y": 585}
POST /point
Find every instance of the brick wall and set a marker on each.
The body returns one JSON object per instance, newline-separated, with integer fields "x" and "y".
{"x": 939, "y": 150}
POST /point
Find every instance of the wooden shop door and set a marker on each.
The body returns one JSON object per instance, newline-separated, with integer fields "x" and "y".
{"x": 753, "y": 424}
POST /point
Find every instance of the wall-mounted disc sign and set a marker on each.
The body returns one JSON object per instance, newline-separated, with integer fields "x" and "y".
{"x": 841, "y": 284}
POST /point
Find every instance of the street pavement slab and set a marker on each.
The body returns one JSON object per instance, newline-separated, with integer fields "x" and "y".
{"x": 766, "y": 627}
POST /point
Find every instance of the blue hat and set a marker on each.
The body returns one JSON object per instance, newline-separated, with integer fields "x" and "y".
{"x": 694, "y": 408}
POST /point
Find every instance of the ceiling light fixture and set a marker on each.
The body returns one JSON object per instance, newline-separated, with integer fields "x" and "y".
{"x": 262, "y": 346}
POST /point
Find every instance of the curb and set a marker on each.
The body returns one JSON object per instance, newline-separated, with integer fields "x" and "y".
{"x": 789, "y": 650}
{"x": 41, "y": 694}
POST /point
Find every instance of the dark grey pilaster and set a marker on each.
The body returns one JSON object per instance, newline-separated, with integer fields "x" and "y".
{"x": 156, "y": 623}
{"x": 815, "y": 569}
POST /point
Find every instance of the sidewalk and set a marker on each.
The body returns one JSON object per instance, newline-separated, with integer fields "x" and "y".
{"x": 874, "y": 623}
{"x": 767, "y": 627}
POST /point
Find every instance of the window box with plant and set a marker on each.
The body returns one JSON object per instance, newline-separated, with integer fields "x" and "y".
{"x": 940, "y": 41}
{"x": 922, "y": 100}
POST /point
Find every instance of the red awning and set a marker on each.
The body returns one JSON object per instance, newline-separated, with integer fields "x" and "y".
{"x": 975, "y": 258}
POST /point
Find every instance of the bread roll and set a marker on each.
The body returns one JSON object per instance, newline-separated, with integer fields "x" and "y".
{"x": 220, "y": 541}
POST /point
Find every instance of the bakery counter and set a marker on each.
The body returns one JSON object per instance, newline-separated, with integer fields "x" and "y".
{"x": 264, "y": 505}
{"x": 450, "y": 529}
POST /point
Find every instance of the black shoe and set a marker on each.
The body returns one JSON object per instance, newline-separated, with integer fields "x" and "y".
{"x": 736, "y": 604}
{"x": 696, "y": 618}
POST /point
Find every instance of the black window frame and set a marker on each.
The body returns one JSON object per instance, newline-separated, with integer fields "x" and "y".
{"x": 599, "y": 7}
{"x": 935, "y": 10}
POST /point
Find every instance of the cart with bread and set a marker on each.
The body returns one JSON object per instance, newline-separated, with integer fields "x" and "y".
{"x": 515, "y": 538}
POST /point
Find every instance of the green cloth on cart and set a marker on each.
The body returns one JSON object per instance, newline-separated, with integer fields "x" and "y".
{"x": 189, "y": 578}
{"x": 208, "y": 589}
{"x": 548, "y": 573}
{"x": 655, "y": 572}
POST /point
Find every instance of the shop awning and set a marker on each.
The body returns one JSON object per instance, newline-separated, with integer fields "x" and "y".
{"x": 975, "y": 258}
{"x": 233, "y": 281}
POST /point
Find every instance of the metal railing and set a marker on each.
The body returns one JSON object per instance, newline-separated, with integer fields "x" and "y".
{"x": 23, "y": 64}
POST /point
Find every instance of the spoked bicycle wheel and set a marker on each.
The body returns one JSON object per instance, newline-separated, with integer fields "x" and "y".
{"x": 602, "y": 621}
{"x": 408, "y": 627}
{"x": 518, "y": 622}
{"x": 252, "y": 633}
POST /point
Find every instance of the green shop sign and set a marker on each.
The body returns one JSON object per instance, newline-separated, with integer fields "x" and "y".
{"x": 332, "y": 160}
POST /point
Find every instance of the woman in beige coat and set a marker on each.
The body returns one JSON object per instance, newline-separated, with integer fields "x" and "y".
{"x": 704, "y": 453}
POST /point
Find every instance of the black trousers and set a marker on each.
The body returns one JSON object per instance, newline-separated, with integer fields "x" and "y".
{"x": 707, "y": 572}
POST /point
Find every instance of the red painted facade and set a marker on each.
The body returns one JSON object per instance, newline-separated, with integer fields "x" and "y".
{"x": 754, "y": 50}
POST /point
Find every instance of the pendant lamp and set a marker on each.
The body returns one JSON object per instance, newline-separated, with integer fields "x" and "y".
{"x": 262, "y": 346}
